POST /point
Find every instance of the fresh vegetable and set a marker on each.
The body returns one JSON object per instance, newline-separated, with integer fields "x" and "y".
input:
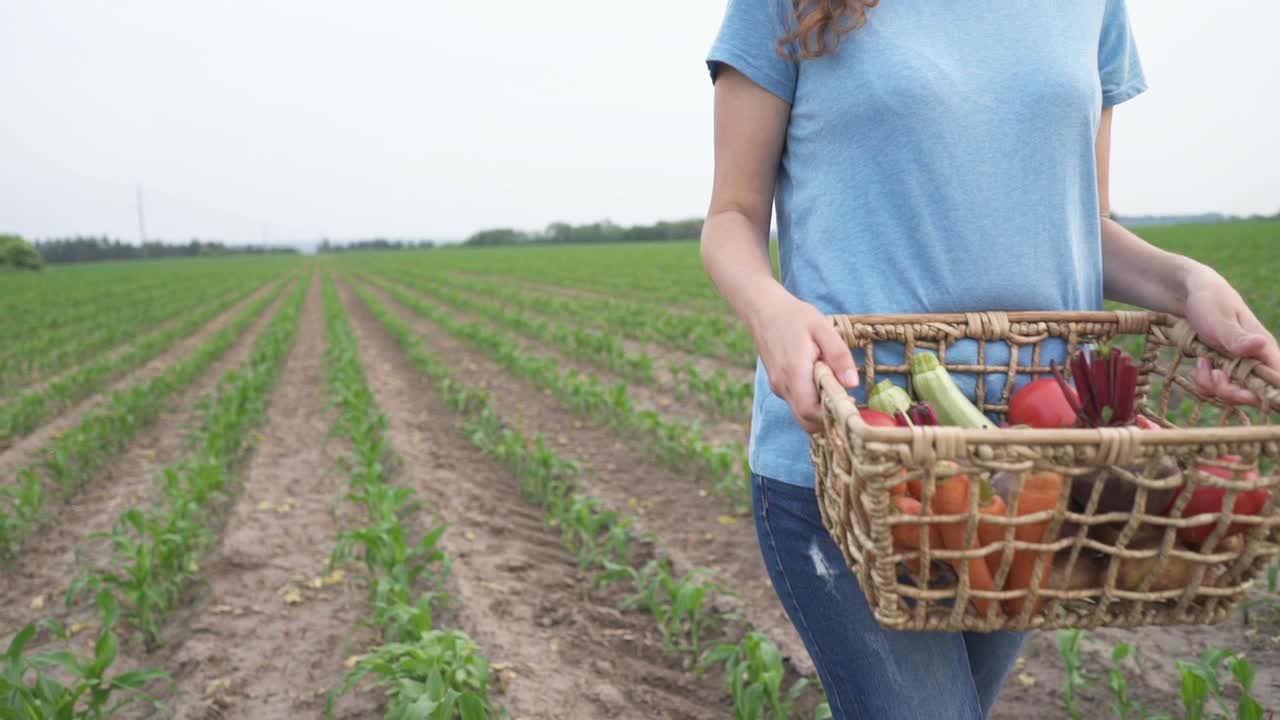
{"x": 1043, "y": 403}
{"x": 1106, "y": 387}
{"x": 1041, "y": 491}
{"x": 935, "y": 385}
{"x": 1085, "y": 574}
{"x": 1175, "y": 574}
{"x": 1210, "y": 500}
{"x": 901, "y": 488}
{"x": 907, "y": 535}
{"x": 918, "y": 414}
{"x": 1146, "y": 423}
{"x": 990, "y": 503}
{"x": 951, "y": 497}
{"x": 1120, "y": 494}
{"x": 888, "y": 398}
{"x": 876, "y": 418}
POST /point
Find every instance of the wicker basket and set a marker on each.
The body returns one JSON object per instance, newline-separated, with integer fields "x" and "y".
{"x": 858, "y": 465}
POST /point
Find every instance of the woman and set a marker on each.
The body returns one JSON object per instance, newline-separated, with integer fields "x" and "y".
{"x": 924, "y": 156}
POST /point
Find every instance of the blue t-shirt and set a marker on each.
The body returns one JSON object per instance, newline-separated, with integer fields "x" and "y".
{"x": 941, "y": 161}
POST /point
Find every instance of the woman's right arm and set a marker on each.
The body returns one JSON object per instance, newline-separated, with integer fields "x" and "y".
{"x": 790, "y": 335}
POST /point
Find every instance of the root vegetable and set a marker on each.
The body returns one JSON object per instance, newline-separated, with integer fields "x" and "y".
{"x": 1085, "y": 574}
{"x": 1041, "y": 491}
{"x": 952, "y": 498}
{"x": 1175, "y": 574}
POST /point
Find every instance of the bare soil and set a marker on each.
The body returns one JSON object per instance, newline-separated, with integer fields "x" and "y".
{"x": 267, "y": 633}
{"x": 35, "y": 584}
{"x": 21, "y": 453}
{"x": 691, "y": 524}
{"x": 560, "y": 650}
{"x": 688, "y": 525}
{"x": 662, "y": 354}
{"x": 666, "y": 400}
{"x": 582, "y": 292}
{"x": 39, "y": 382}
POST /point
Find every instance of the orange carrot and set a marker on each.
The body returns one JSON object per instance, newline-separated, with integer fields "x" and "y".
{"x": 1040, "y": 491}
{"x": 989, "y": 503}
{"x": 899, "y": 490}
{"x": 907, "y": 536}
{"x": 952, "y": 498}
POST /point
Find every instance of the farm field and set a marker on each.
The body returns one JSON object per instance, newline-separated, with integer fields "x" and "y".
{"x": 498, "y": 480}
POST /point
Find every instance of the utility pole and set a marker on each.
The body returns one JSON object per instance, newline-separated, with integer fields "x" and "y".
{"x": 142, "y": 226}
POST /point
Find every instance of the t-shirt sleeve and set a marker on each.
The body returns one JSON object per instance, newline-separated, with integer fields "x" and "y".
{"x": 1119, "y": 67}
{"x": 748, "y": 41}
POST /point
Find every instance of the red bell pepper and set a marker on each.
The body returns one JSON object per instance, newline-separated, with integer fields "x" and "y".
{"x": 1209, "y": 500}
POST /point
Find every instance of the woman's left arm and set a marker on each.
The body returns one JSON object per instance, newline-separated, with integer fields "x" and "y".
{"x": 1138, "y": 273}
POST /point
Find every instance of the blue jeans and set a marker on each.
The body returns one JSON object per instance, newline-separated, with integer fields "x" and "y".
{"x": 867, "y": 671}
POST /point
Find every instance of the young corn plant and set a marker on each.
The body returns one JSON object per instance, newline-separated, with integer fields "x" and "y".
{"x": 1077, "y": 678}
{"x": 1201, "y": 686}
{"x": 155, "y": 550}
{"x": 426, "y": 673}
{"x": 76, "y": 455}
{"x": 754, "y": 675}
{"x": 436, "y": 676}
{"x": 83, "y": 689}
{"x": 679, "y": 607}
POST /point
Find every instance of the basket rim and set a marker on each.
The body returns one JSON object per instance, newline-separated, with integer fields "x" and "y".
{"x": 846, "y": 410}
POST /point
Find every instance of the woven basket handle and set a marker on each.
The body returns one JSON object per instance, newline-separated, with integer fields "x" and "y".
{"x": 834, "y": 398}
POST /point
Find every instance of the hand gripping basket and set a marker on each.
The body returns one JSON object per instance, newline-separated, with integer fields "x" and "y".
{"x": 1139, "y": 571}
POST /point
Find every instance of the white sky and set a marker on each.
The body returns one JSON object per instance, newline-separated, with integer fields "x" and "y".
{"x": 292, "y": 119}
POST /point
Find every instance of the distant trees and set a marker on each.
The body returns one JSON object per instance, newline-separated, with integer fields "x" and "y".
{"x": 600, "y": 232}
{"x": 89, "y": 249}
{"x": 18, "y": 254}
{"x": 375, "y": 244}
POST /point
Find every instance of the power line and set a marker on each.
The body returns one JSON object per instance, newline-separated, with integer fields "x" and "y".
{"x": 142, "y": 226}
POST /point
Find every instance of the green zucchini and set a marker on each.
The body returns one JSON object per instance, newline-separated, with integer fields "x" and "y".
{"x": 934, "y": 384}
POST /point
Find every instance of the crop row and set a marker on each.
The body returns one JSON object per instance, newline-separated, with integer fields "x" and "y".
{"x": 155, "y": 553}
{"x": 155, "y": 550}
{"x": 29, "y": 410}
{"x": 604, "y": 542}
{"x": 717, "y": 392}
{"x": 663, "y": 273}
{"x": 34, "y": 304}
{"x": 1201, "y": 687}
{"x": 72, "y": 458}
{"x": 709, "y": 334}
{"x": 712, "y": 334}
{"x": 50, "y": 353}
{"x": 53, "y": 306}
{"x": 674, "y": 442}
{"x": 425, "y": 670}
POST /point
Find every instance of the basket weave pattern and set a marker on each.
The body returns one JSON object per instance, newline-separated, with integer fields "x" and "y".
{"x": 857, "y": 465}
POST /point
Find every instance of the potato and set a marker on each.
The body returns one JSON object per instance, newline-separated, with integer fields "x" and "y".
{"x": 1175, "y": 574}
{"x": 1084, "y": 575}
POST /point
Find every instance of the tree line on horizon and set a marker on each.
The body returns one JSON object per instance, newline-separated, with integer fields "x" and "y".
{"x": 88, "y": 248}
{"x": 598, "y": 232}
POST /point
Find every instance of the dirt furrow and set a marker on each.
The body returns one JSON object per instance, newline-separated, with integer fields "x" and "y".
{"x": 622, "y": 475}
{"x": 668, "y": 401}
{"x": 526, "y": 604}
{"x": 245, "y": 647}
{"x": 43, "y": 571}
{"x": 577, "y": 292}
{"x": 22, "y": 452}
{"x": 662, "y": 354}
{"x": 39, "y": 383}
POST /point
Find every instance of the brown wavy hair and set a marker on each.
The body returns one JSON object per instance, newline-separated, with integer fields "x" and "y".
{"x": 820, "y": 25}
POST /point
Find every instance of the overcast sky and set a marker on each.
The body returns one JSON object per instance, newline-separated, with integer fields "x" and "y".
{"x": 295, "y": 119}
